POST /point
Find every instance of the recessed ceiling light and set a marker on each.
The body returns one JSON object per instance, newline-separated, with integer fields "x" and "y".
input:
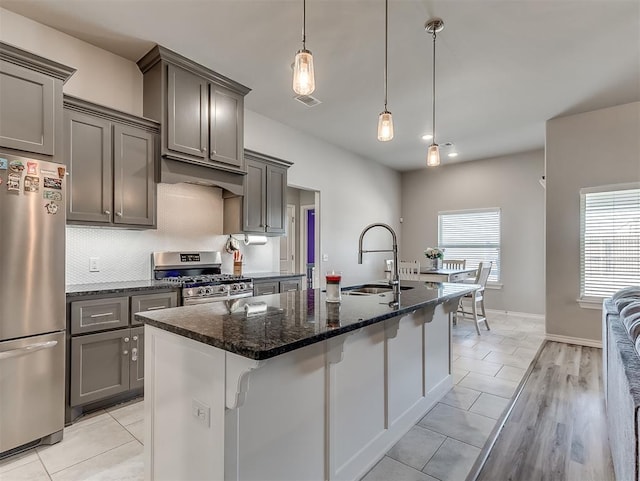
{"x": 427, "y": 137}
{"x": 452, "y": 154}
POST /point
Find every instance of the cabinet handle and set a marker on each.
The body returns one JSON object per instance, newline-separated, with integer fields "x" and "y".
{"x": 134, "y": 354}
{"x": 156, "y": 307}
{"x": 135, "y": 338}
{"x": 104, "y": 314}
{"x": 126, "y": 339}
{"x": 213, "y": 152}
{"x": 204, "y": 149}
{"x": 125, "y": 352}
{"x": 119, "y": 214}
{"x": 107, "y": 212}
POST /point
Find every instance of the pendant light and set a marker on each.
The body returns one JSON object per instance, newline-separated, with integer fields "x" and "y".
{"x": 304, "y": 82}
{"x": 433, "y": 26}
{"x": 385, "y": 120}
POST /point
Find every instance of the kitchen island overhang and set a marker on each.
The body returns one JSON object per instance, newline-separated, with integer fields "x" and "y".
{"x": 306, "y": 390}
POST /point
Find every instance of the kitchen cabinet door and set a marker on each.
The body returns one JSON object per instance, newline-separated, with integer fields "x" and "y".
{"x": 255, "y": 193}
{"x": 134, "y": 188}
{"x": 136, "y": 366}
{"x": 152, "y": 302}
{"x": 292, "y": 284}
{"x": 88, "y": 154}
{"x": 262, "y": 288}
{"x": 226, "y": 131}
{"x": 27, "y": 109}
{"x": 276, "y": 199}
{"x": 187, "y": 112}
{"x": 99, "y": 366}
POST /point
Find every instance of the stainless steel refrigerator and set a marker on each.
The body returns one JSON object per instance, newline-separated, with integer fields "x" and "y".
{"x": 32, "y": 301}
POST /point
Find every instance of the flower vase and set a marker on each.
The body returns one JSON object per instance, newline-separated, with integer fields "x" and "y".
{"x": 433, "y": 264}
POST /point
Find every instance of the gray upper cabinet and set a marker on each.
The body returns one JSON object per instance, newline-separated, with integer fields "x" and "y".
{"x": 187, "y": 112}
{"x": 263, "y": 208}
{"x": 201, "y": 111}
{"x": 111, "y": 160}
{"x": 226, "y": 127}
{"x": 30, "y": 101}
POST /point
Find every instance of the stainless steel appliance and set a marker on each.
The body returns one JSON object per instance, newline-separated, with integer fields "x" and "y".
{"x": 32, "y": 301}
{"x": 199, "y": 275}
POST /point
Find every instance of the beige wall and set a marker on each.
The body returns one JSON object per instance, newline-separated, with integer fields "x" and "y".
{"x": 585, "y": 150}
{"x": 509, "y": 183}
{"x": 101, "y": 76}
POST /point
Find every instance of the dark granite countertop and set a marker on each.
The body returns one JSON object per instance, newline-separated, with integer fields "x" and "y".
{"x": 263, "y": 276}
{"x": 74, "y": 290}
{"x": 293, "y": 319}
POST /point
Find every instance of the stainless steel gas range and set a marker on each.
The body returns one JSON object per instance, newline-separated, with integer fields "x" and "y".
{"x": 198, "y": 273}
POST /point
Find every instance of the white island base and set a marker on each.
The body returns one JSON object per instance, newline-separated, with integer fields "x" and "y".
{"x": 327, "y": 411}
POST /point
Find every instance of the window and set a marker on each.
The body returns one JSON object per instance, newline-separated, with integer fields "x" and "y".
{"x": 473, "y": 235}
{"x": 610, "y": 239}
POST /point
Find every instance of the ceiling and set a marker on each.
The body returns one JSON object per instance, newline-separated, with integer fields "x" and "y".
{"x": 503, "y": 67}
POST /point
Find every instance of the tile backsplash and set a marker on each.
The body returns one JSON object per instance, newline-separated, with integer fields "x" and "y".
{"x": 189, "y": 218}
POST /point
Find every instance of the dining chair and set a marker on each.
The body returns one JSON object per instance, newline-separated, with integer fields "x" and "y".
{"x": 454, "y": 263}
{"x": 409, "y": 271}
{"x": 468, "y": 307}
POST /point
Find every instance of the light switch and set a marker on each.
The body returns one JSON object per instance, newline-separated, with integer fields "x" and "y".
{"x": 94, "y": 264}
{"x": 201, "y": 412}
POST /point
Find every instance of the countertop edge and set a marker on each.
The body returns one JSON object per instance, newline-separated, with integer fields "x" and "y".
{"x": 261, "y": 355}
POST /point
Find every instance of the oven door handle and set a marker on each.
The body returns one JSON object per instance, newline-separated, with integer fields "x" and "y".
{"x": 21, "y": 351}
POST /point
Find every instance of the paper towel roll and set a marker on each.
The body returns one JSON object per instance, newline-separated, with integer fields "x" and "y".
{"x": 255, "y": 308}
{"x": 255, "y": 240}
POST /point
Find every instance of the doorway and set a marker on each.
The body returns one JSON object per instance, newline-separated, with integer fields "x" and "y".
{"x": 302, "y": 245}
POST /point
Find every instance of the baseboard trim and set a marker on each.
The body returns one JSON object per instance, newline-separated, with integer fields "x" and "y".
{"x": 574, "y": 340}
{"x": 519, "y": 314}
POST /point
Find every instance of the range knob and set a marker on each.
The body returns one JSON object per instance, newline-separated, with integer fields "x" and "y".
{"x": 208, "y": 290}
{"x": 242, "y": 286}
{"x": 201, "y": 291}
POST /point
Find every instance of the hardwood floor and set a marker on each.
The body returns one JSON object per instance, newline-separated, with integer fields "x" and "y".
{"x": 556, "y": 429}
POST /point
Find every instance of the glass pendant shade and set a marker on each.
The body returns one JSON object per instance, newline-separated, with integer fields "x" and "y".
{"x": 304, "y": 82}
{"x": 385, "y": 126}
{"x": 433, "y": 156}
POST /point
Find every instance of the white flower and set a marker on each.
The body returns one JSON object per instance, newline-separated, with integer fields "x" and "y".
{"x": 434, "y": 253}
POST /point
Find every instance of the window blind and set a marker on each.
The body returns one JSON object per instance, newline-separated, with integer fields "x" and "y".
{"x": 610, "y": 242}
{"x": 471, "y": 235}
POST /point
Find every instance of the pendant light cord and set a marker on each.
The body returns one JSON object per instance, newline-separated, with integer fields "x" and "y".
{"x": 434, "y": 86}
{"x": 386, "y": 47}
{"x": 304, "y": 24}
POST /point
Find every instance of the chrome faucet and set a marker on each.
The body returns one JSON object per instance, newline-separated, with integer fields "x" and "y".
{"x": 395, "y": 281}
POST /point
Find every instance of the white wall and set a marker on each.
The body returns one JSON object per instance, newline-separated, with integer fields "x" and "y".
{"x": 354, "y": 192}
{"x": 585, "y": 150}
{"x": 509, "y": 183}
{"x": 101, "y": 76}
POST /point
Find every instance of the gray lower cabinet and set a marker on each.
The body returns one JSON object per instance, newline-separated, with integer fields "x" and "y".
{"x": 30, "y": 101}
{"x": 202, "y": 112}
{"x": 111, "y": 160}
{"x": 136, "y": 366}
{"x": 262, "y": 288}
{"x": 107, "y": 347}
{"x": 99, "y": 366}
{"x": 275, "y": 286}
{"x": 151, "y": 302}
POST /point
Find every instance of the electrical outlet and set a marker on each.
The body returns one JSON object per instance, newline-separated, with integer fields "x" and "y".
{"x": 201, "y": 412}
{"x": 94, "y": 264}
{"x": 325, "y": 257}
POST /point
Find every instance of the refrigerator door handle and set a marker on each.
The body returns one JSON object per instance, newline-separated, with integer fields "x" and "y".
{"x": 21, "y": 351}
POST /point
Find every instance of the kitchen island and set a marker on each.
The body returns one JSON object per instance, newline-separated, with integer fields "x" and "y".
{"x": 305, "y": 390}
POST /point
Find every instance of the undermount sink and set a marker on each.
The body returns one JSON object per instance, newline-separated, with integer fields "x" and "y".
{"x": 368, "y": 289}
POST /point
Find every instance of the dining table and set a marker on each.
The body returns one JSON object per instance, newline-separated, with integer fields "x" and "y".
{"x": 447, "y": 275}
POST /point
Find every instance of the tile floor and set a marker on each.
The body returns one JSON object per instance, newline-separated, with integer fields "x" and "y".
{"x": 487, "y": 369}
{"x": 107, "y": 445}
